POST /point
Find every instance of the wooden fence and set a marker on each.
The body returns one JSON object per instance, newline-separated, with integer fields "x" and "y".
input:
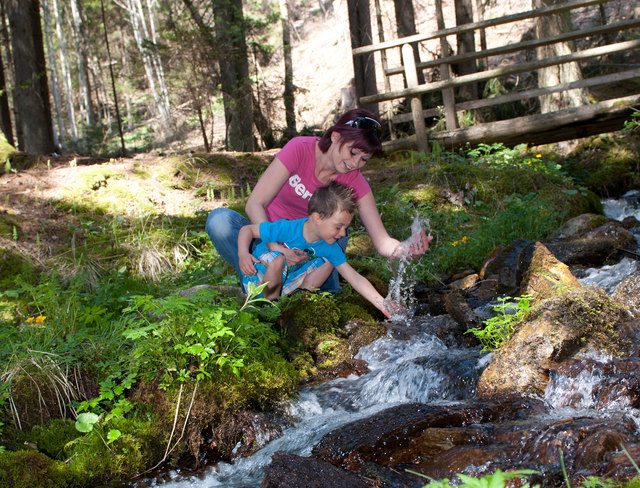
{"x": 603, "y": 116}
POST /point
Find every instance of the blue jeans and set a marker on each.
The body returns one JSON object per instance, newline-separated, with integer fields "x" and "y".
{"x": 223, "y": 226}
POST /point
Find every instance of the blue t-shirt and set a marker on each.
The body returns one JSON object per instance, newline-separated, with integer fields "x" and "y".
{"x": 289, "y": 233}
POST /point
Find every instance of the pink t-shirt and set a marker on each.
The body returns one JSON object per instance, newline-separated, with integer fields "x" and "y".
{"x": 299, "y": 157}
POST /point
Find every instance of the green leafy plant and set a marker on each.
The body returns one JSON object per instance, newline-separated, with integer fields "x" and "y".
{"x": 196, "y": 336}
{"x": 498, "y": 479}
{"x": 633, "y": 124}
{"x": 500, "y": 328}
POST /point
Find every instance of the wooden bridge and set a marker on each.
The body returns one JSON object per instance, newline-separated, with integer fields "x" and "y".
{"x": 600, "y": 116}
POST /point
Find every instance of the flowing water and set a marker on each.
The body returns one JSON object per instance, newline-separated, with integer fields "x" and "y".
{"x": 423, "y": 369}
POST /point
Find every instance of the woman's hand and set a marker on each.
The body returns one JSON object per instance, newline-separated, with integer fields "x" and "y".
{"x": 413, "y": 247}
{"x": 294, "y": 256}
{"x": 246, "y": 264}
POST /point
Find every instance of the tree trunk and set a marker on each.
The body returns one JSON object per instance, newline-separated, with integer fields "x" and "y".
{"x": 66, "y": 75}
{"x": 289, "y": 90}
{"x": 546, "y": 26}
{"x": 113, "y": 80}
{"x": 144, "y": 33}
{"x": 31, "y": 96}
{"x": 5, "y": 111}
{"x": 406, "y": 26}
{"x": 82, "y": 52}
{"x": 363, "y": 66}
{"x": 234, "y": 73}
{"x": 55, "y": 86}
{"x": 466, "y": 44}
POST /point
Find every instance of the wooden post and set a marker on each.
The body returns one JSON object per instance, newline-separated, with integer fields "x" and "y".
{"x": 363, "y": 66}
{"x": 411, "y": 75}
{"x": 448, "y": 98}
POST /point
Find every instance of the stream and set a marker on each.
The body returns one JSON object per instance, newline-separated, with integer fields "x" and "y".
{"x": 428, "y": 370}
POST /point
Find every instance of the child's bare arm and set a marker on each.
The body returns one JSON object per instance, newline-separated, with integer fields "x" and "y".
{"x": 245, "y": 258}
{"x": 363, "y": 286}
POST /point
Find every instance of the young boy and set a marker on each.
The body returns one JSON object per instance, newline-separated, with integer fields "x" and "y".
{"x": 331, "y": 210}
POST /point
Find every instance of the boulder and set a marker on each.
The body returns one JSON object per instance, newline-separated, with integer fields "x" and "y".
{"x": 502, "y": 264}
{"x": 461, "y": 312}
{"x": 292, "y": 471}
{"x": 627, "y": 294}
{"x": 593, "y": 247}
{"x": 578, "y": 226}
{"x": 557, "y": 330}
{"x": 546, "y": 276}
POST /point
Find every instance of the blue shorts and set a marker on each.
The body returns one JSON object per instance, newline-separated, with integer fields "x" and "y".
{"x": 292, "y": 277}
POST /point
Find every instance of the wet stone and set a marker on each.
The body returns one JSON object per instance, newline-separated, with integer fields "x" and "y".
{"x": 292, "y": 471}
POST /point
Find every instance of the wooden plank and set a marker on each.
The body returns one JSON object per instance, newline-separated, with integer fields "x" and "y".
{"x": 523, "y": 95}
{"x": 536, "y": 129}
{"x": 503, "y": 71}
{"x": 411, "y": 75}
{"x": 567, "y": 36}
{"x": 448, "y": 97}
{"x": 477, "y": 25}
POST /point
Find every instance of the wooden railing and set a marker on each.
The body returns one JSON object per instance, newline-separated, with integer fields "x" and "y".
{"x": 533, "y": 128}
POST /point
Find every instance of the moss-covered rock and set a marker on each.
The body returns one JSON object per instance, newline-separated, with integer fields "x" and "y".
{"x": 35, "y": 470}
{"x": 7, "y": 151}
{"x": 137, "y": 449}
{"x": 607, "y": 164}
{"x": 51, "y": 438}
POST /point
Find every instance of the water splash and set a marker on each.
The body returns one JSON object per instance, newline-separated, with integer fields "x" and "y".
{"x": 400, "y": 301}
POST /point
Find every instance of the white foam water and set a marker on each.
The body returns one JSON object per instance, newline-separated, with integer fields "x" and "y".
{"x": 400, "y": 301}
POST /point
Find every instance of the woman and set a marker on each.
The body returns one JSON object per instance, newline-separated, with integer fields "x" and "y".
{"x": 302, "y": 165}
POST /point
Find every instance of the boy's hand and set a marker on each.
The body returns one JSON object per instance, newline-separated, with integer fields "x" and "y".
{"x": 393, "y": 308}
{"x": 246, "y": 264}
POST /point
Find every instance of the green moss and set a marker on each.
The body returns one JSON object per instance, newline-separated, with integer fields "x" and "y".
{"x": 10, "y": 226}
{"x": 51, "y": 438}
{"x": 632, "y": 483}
{"x": 304, "y": 365}
{"x": 600, "y": 316}
{"x": 6, "y": 151}
{"x": 317, "y": 311}
{"x": 606, "y": 164}
{"x": 330, "y": 351}
{"x": 263, "y": 386}
{"x": 354, "y": 312}
{"x": 138, "y": 446}
{"x": 35, "y": 470}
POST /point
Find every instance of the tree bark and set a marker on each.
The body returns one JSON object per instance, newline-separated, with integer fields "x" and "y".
{"x": 554, "y": 75}
{"x": 55, "y": 77}
{"x": 363, "y": 66}
{"x": 406, "y": 26}
{"x": 31, "y": 95}
{"x": 289, "y": 90}
{"x": 234, "y": 72}
{"x": 466, "y": 44}
{"x": 144, "y": 33}
{"x": 66, "y": 75}
{"x": 82, "y": 52}
{"x": 5, "y": 111}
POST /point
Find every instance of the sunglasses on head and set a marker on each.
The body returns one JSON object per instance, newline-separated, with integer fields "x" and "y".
{"x": 365, "y": 123}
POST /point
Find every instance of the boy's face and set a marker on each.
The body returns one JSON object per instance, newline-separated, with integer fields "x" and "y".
{"x": 333, "y": 227}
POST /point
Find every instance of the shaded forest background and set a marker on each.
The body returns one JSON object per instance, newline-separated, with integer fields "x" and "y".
{"x": 110, "y": 77}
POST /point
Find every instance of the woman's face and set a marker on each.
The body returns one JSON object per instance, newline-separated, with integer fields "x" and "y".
{"x": 345, "y": 157}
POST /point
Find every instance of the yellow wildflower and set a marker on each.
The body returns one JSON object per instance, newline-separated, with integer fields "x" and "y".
{"x": 538, "y": 155}
{"x": 40, "y": 319}
{"x": 30, "y": 319}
